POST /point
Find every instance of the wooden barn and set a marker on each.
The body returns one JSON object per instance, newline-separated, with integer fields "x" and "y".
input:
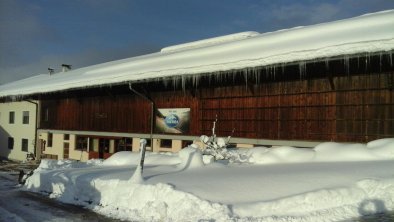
{"x": 301, "y": 86}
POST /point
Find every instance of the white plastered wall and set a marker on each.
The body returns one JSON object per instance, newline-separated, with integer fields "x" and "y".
{"x": 57, "y": 144}
{"x": 58, "y": 147}
{"x": 76, "y": 154}
{"x": 17, "y": 130}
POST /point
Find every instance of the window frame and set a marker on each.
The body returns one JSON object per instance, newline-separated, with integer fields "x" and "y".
{"x": 50, "y": 140}
{"x": 25, "y": 145}
{"x": 25, "y": 118}
{"x": 11, "y": 117}
{"x": 82, "y": 143}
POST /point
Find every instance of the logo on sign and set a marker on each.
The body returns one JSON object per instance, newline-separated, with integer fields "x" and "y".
{"x": 171, "y": 120}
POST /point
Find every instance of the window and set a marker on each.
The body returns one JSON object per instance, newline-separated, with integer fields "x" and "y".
{"x": 25, "y": 119}
{"x": 165, "y": 143}
{"x": 104, "y": 145}
{"x": 12, "y": 117}
{"x": 10, "y": 143}
{"x": 25, "y": 144}
{"x": 124, "y": 144}
{"x": 66, "y": 137}
{"x": 82, "y": 143}
{"x": 46, "y": 114}
{"x": 148, "y": 142}
{"x": 50, "y": 140}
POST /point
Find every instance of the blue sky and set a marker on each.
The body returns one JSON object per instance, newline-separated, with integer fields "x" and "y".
{"x": 37, "y": 34}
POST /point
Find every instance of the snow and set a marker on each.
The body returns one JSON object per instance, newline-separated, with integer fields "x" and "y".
{"x": 124, "y": 158}
{"x": 372, "y": 33}
{"x": 209, "y": 42}
{"x": 330, "y": 182}
{"x": 324, "y": 152}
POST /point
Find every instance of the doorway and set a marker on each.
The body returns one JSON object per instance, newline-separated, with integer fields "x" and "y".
{"x": 103, "y": 147}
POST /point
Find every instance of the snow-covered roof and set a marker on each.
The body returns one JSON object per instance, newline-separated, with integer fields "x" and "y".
{"x": 369, "y": 33}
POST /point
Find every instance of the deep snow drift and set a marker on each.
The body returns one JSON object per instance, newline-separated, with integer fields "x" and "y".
{"x": 331, "y": 182}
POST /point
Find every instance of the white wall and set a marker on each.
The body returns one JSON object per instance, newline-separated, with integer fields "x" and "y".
{"x": 57, "y": 147}
{"x": 57, "y": 144}
{"x": 77, "y": 154}
{"x": 18, "y": 130}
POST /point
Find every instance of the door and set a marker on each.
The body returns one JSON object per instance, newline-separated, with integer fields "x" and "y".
{"x": 103, "y": 147}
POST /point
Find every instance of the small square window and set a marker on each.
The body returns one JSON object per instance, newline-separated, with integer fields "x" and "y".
{"x": 82, "y": 143}
{"x": 66, "y": 137}
{"x": 165, "y": 143}
{"x": 25, "y": 119}
{"x": 25, "y": 145}
{"x": 12, "y": 117}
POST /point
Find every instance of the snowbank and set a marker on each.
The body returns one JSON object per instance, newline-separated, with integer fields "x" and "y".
{"x": 159, "y": 202}
{"x": 47, "y": 164}
{"x": 331, "y": 182}
{"x": 124, "y": 158}
{"x": 366, "y": 197}
{"x": 382, "y": 149}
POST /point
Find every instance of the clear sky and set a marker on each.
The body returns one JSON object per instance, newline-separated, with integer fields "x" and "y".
{"x": 37, "y": 34}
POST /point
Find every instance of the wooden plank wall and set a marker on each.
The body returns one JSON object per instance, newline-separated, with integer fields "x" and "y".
{"x": 283, "y": 110}
{"x": 124, "y": 113}
{"x": 365, "y": 107}
{"x": 360, "y": 108}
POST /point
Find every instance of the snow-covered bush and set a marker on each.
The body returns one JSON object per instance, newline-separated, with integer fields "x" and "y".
{"x": 217, "y": 147}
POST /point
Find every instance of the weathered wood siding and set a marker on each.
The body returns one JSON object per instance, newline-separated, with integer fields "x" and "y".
{"x": 103, "y": 113}
{"x": 360, "y": 108}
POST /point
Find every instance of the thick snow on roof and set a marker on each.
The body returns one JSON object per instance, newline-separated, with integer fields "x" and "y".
{"x": 364, "y": 34}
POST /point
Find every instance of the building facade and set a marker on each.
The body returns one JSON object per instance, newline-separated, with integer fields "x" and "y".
{"x": 18, "y": 129}
{"x": 297, "y": 87}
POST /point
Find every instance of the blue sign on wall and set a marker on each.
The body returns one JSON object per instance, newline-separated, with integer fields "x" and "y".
{"x": 175, "y": 120}
{"x": 171, "y": 121}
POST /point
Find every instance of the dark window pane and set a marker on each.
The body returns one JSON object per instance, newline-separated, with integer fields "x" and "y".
{"x": 50, "y": 140}
{"x": 10, "y": 143}
{"x": 25, "y": 119}
{"x": 12, "y": 118}
{"x": 25, "y": 145}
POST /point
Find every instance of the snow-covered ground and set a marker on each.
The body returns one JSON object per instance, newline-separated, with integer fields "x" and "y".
{"x": 17, "y": 205}
{"x": 330, "y": 182}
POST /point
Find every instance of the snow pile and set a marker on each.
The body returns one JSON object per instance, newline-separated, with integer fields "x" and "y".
{"x": 366, "y": 197}
{"x": 382, "y": 147}
{"x": 191, "y": 158}
{"x": 159, "y": 202}
{"x": 325, "y": 152}
{"x": 124, "y": 158}
{"x": 331, "y": 182}
{"x": 48, "y": 164}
